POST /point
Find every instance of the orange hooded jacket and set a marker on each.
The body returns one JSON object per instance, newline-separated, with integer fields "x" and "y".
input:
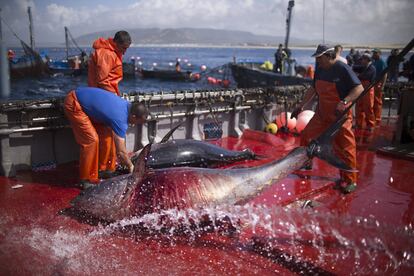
{"x": 105, "y": 66}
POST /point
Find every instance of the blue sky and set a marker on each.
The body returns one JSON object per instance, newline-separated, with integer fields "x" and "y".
{"x": 352, "y": 21}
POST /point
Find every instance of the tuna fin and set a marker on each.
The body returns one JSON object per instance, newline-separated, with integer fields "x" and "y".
{"x": 140, "y": 169}
{"x": 141, "y": 162}
{"x": 170, "y": 133}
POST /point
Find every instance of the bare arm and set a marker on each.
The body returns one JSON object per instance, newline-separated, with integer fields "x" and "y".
{"x": 122, "y": 152}
{"x": 353, "y": 94}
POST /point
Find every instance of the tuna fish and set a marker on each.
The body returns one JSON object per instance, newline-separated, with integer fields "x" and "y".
{"x": 147, "y": 191}
{"x": 193, "y": 153}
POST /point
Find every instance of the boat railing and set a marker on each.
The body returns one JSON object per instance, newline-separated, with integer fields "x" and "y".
{"x": 34, "y": 132}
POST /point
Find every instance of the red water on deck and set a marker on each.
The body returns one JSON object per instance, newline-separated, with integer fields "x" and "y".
{"x": 36, "y": 239}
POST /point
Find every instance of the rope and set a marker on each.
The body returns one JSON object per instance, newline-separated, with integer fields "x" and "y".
{"x": 74, "y": 41}
{"x": 11, "y": 29}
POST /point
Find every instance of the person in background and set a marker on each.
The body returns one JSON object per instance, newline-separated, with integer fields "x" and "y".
{"x": 357, "y": 57}
{"x": 336, "y": 86}
{"x": 411, "y": 68}
{"x": 350, "y": 57}
{"x": 379, "y": 65}
{"x": 177, "y": 65}
{"x": 364, "y": 109}
{"x": 84, "y": 105}
{"x": 280, "y": 57}
{"x": 394, "y": 66}
{"x": 10, "y": 55}
{"x": 310, "y": 72}
{"x": 338, "y": 52}
{"x": 105, "y": 72}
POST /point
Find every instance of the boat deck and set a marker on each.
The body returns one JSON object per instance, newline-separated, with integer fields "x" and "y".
{"x": 35, "y": 238}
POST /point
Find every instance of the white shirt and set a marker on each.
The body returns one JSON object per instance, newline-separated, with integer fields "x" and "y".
{"x": 342, "y": 59}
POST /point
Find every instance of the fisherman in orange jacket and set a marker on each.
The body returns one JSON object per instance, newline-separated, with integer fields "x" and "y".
{"x": 105, "y": 71}
{"x": 84, "y": 105}
{"x": 364, "y": 109}
{"x": 336, "y": 86}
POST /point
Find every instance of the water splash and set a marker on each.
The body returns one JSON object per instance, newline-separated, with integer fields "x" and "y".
{"x": 286, "y": 236}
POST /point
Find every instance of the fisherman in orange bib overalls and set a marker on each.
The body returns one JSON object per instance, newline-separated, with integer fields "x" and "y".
{"x": 105, "y": 71}
{"x": 84, "y": 105}
{"x": 364, "y": 109}
{"x": 336, "y": 86}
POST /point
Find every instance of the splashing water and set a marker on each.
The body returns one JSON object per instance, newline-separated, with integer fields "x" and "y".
{"x": 286, "y": 236}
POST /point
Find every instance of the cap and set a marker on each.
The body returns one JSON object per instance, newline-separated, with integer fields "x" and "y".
{"x": 322, "y": 49}
{"x": 366, "y": 56}
{"x": 376, "y": 50}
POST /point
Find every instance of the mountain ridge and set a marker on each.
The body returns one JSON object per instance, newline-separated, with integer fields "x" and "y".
{"x": 191, "y": 36}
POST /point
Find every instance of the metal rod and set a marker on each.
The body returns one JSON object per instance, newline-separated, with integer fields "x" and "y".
{"x": 67, "y": 42}
{"x": 4, "y": 67}
{"x": 288, "y": 22}
{"x": 200, "y": 112}
{"x": 31, "y": 31}
{"x": 323, "y": 23}
{"x": 34, "y": 120}
{"x": 9, "y": 131}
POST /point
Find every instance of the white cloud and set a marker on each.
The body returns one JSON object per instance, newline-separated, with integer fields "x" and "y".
{"x": 346, "y": 20}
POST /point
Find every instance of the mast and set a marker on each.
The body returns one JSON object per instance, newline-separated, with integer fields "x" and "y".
{"x": 67, "y": 42}
{"x": 288, "y": 22}
{"x": 4, "y": 68}
{"x": 323, "y": 23}
{"x": 32, "y": 42}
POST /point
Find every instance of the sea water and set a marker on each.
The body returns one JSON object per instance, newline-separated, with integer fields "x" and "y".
{"x": 192, "y": 58}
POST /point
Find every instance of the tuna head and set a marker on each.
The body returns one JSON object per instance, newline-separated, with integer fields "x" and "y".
{"x": 110, "y": 200}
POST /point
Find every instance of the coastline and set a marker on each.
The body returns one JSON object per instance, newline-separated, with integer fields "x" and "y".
{"x": 301, "y": 47}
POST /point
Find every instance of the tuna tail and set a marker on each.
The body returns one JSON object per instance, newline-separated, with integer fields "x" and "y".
{"x": 321, "y": 147}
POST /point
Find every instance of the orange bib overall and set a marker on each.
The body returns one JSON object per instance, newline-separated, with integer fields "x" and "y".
{"x": 378, "y": 102}
{"x": 105, "y": 71}
{"x": 364, "y": 109}
{"x": 344, "y": 142}
{"x": 85, "y": 135}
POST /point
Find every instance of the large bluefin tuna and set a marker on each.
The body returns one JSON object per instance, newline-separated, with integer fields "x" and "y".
{"x": 146, "y": 191}
{"x": 191, "y": 153}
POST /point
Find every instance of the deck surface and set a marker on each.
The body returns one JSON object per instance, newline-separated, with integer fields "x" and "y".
{"x": 36, "y": 239}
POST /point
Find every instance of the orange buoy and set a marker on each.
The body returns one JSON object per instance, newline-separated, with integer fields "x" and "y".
{"x": 225, "y": 83}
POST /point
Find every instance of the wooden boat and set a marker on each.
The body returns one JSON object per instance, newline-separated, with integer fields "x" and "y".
{"x": 31, "y": 64}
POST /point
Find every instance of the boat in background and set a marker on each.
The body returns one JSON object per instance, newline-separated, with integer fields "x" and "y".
{"x": 74, "y": 65}
{"x": 168, "y": 75}
{"x": 250, "y": 74}
{"x": 255, "y": 74}
{"x": 31, "y": 64}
